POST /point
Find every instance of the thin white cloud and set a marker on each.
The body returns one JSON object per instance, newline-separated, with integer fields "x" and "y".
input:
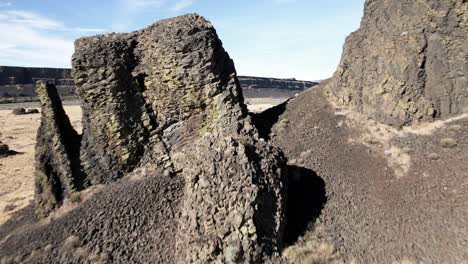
{"x": 30, "y": 39}
{"x": 5, "y": 4}
{"x": 182, "y": 4}
{"x": 36, "y": 21}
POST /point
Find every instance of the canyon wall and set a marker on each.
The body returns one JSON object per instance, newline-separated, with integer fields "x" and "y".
{"x": 407, "y": 62}
{"x": 20, "y": 82}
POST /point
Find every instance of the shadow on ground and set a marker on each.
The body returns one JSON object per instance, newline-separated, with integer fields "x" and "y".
{"x": 306, "y": 198}
{"x": 265, "y": 120}
{"x": 11, "y": 153}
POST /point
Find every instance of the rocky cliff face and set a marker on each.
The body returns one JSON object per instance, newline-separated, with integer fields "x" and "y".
{"x": 406, "y": 63}
{"x": 167, "y": 99}
{"x": 24, "y": 75}
{"x": 249, "y": 82}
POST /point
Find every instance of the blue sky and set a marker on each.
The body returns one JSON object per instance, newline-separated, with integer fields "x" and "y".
{"x": 272, "y": 38}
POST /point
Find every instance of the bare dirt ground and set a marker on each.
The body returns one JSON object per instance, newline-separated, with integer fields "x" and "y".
{"x": 17, "y": 171}
{"x": 257, "y": 105}
{"x": 390, "y": 196}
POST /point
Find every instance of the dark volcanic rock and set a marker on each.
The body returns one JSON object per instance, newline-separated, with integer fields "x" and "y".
{"x": 28, "y": 75}
{"x": 224, "y": 178}
{"x": 407, "y": 62}
{"x": 19, "y": 111}
{"x": 57, "y": 153}
{"x": 32, "y": 111}
{"x": 133, "y": 222}
{"x": 4, "y": 149}
{"x": 164, "y": 99}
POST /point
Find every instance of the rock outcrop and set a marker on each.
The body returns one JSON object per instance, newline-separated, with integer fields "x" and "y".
{"x": 167, "y": 99}
{"x": 406, "y": 63}
{"x": 4, "y": 149}
{"x": 28, "y": 75}
{"x": 58, "y": 172}
{"x": 249, "y": 82}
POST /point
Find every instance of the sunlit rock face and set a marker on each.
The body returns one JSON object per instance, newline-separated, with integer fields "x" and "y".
{"x": 407, "y": 62}
{"x": 167, "y": 98}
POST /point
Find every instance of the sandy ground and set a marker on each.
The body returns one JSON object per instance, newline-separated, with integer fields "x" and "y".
{"x": 17, "y": 171}
{"x": 19, "y": 132}
{"x": 261, "y": 104}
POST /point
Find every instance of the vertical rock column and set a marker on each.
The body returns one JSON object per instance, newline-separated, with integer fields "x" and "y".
{"x": 57, "y": 153}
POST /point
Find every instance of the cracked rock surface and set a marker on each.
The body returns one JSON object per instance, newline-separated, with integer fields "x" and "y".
{"x": 406, "y": 63}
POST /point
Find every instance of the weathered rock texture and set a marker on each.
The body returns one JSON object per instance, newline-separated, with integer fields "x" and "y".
{"x": 232, "y": 211}
{"x": 407, "y": 62}
{"x": 167, "y": 98}
{"x": 58, "y": 171}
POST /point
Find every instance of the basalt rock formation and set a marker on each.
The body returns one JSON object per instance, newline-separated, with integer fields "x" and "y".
{"x": 4, "y": 149}
{"x": 406, "y": 63}
{"x": 392, "y": 195}
{"x": 57, "y": 153}
{"x": 167, "y": 99}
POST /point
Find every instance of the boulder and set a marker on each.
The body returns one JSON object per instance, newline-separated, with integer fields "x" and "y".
{"x": 4, "y": 149}
{"x": 19, "y": 111}
{"x": 167, "y": 98}
{"x": 32, "y": 111}
{"x": 406, "y": 63}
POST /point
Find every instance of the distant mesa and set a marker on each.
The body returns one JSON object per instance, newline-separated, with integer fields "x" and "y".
{"x": 19, "y": 82}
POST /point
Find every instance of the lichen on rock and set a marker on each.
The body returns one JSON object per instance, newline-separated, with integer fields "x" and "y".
{"x": 167, "y": 98}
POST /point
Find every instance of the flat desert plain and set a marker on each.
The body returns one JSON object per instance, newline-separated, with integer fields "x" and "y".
{"x": 17, "y": 171}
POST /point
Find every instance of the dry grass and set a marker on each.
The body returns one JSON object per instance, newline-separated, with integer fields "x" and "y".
{"x": 71, "y": 243}
{"x": 381, "y": 138}
{"x": 448, "y": 143}
{"x": 312, "y": 252}
{"x": 75, "y": 198}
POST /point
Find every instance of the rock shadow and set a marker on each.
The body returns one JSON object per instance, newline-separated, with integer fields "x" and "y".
{"x": 265, "y": 120}
{"x": 306, "y": 199}
{"x": 11, "y": 153}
